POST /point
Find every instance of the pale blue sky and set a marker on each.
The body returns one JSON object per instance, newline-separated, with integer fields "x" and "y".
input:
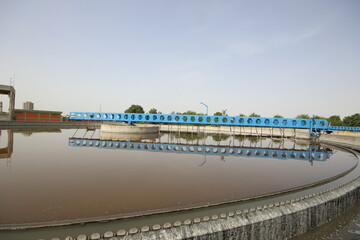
{"x": 268, "y": 57}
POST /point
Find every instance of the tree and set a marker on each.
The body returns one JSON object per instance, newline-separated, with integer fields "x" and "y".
{"x": 242, "y": 115}
{"x": 278, "y": 116}
{"x": 135, "y": 109}
{"x": 305, "y": 116}
{"x": 352, "y": 121}
{"x": 189, "y": 112}
{"x": 218, "y": 114}
{"x": 335, "y": 120}
{"x": 153, "y": 111}
{"x": 319, "y": 117}
{"x": 254, "y": 115}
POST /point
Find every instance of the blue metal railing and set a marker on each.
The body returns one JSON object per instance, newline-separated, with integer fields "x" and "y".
{"x": 343, "y": 128}
{"x": 312, "y": 153}
{"x": 314, "y": 124}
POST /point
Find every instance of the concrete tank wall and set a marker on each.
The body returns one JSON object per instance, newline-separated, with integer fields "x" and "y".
{"x": 347, "y": 139}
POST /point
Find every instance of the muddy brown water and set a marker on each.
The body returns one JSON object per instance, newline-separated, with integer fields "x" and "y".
{"x": 46, "y": 180}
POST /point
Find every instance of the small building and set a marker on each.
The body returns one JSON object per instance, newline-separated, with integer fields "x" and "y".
{"x": 28, "y": 105}
{"x": 37, "y": 115}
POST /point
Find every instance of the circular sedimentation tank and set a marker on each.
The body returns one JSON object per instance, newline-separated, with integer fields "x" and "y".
{"x": 175, "y": 185}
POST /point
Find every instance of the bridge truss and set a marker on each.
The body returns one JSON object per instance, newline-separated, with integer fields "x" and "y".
{"x": 314, "y": 125}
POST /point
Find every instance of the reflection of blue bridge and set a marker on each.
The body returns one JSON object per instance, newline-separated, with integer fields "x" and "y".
{"x": 314, "y": 125}
{"x": 312, "y": 153}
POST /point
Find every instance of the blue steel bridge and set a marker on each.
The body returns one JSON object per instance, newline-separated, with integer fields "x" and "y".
{"x": 312, "y": 153}
{"x": 313, "y": 125}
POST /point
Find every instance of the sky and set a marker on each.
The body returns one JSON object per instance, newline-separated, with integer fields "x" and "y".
{"x": 268, "y": 57}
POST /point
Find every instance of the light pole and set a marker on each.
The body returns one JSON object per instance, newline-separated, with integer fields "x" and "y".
{"x": 206, "y": 107}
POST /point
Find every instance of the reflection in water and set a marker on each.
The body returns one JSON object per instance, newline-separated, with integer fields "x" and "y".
{"x": 29, "y": 132}
{"x": 312, "y": 153}
{"x": 219, "y": 138}
{"x": 128, "y": 136}
{"x": 190, "y": 136}
{"x": 6, "y": 152}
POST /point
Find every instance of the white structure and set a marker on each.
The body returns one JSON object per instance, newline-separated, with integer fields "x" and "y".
{"x": 9, "y": 91}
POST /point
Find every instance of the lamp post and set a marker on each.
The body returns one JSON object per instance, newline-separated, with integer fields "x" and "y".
{"x": 205, "y": 106}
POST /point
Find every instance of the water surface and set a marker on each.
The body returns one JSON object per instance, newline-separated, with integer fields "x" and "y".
{"x": 46, "y": 179}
